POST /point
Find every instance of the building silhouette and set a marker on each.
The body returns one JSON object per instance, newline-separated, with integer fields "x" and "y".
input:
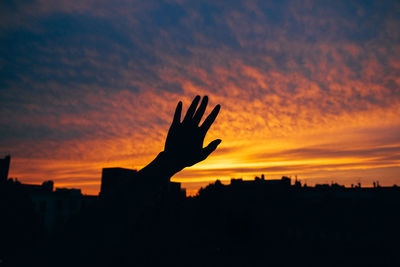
{"x": 53, "y": 206}
{"x": 111, "y": 178}
{"x": 4, "y": 167}
{"x": 273, "y": 222}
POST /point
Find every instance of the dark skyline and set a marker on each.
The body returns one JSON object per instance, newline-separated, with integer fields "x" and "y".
{"x": 262, "y": 222}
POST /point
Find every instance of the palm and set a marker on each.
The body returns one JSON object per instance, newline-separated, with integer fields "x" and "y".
{"x": 184, "y": 144}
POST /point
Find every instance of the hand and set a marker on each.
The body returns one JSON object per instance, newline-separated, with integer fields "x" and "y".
{"x": 184, "y": 144}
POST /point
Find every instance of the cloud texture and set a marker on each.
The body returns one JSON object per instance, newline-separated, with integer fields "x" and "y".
{"x": 306, "y": 88}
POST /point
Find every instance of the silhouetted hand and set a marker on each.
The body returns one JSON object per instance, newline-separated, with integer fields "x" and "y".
{"x": 184, "y": 144}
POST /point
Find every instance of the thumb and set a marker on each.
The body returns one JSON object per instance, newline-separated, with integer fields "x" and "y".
{"x": 210, "y": 148}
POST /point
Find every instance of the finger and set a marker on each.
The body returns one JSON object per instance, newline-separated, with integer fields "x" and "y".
{"x": 200, "y": 112}
{"x": 210, "y": 148}
{"x": 177, "y": 115}
{"x": 210, "y": 119}
{"x": 192, "y": 109}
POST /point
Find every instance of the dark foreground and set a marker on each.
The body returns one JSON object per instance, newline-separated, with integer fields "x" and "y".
{"x": 256, "y": 223}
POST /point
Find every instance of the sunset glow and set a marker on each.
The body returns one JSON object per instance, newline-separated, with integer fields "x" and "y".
{"x": 306, "y": 89}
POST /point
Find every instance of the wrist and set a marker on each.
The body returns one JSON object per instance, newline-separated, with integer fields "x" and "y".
{"x": 167, "y": 164}
{"x": 162, "y": 168}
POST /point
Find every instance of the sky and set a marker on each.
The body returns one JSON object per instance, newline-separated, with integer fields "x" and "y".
{"x": 307, "y": 88}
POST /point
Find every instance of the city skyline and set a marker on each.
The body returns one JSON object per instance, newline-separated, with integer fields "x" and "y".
{"x": 189, "y": 192}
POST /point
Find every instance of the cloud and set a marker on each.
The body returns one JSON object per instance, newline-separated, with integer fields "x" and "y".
{"x": 98, "y": 81}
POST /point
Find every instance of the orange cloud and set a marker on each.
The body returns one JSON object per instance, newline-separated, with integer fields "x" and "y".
{"x": 305, "y": 90}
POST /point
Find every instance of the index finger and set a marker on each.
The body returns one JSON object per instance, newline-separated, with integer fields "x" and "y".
{"x": 210, "y": 119}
